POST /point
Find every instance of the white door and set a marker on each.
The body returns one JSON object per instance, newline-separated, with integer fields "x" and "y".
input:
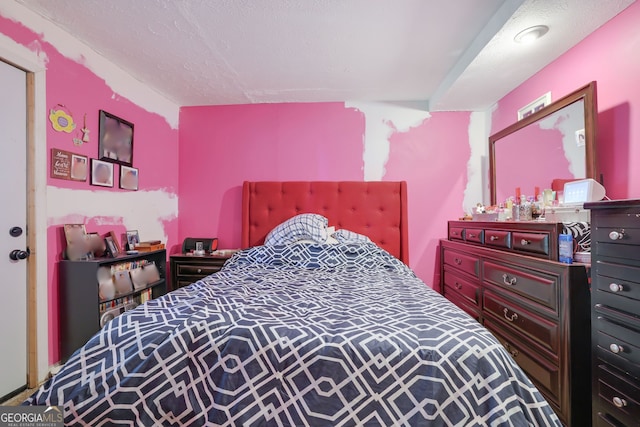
{"x": 13, "y": 229}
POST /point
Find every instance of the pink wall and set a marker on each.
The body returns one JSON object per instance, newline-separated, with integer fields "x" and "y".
{"x": 155, "y": 150}
{"x": 610, "y": 57}
{"x": 222, "y": 146}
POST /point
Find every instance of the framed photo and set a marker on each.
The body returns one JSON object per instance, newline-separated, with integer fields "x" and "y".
{"x": 112, "y": 249}
{"x": 96, "y": 244}
{"x": 69, "y": 166}
{"x": 101, "y": 173}
{"x": 78, "y": 243}
{"x": 132, "y": 239}
{"x": 128, "y": 178}
{"x": 115, "y": 240}
{"x": 116, "y": 139}
{"x": 535, "y": 106}
{"x": 79, "y": 167}
{"x": 74, "y": 233}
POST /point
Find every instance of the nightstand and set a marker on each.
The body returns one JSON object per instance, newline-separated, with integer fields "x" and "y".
{"x": 186, "y": 269}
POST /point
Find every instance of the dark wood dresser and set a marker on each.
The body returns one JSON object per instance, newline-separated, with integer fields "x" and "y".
{"x": 186, "y": 269}
{"x": 615, "y": 258}
{"x": 505, "y": 275}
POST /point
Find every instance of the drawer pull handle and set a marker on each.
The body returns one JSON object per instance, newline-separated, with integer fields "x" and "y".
{"x": 458, "y": 286}
{"x": 511, "y": 318}
{"x": 509, "y": 281}
{"x": 512, "y": 351}
{"x": 494, "y": 238}
{"x": 525, "y": 242}
{"x": 614, "y": 287}
{"x": 199, "y": 270}
{"x": 619, "y": 402}
{"x": 458, "y": 261}
{"x": 616, "y": 235}
{"x": 472, "y": 236}
{"x": 615, "y": 348}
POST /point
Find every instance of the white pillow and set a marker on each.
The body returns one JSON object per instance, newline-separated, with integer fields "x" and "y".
{"x": 300, "y": 227}
{"x": 330, "y": 240}
{"x": 348, "y": 236}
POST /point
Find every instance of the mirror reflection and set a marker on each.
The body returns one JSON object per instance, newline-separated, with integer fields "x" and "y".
{"x": 546, "y": 149}
{"x": 552, "y": 148}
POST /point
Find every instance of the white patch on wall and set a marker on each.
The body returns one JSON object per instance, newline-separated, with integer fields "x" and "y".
{"x": 144, "y": 211}
{"x": 115, "y": 77}
{"x": 381, "y": 121}
{"x": 478, "y": 165}
{"x": 13, "y": 49}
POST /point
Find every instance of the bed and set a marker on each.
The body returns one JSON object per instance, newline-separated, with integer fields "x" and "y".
{"x": 301, "y": 334}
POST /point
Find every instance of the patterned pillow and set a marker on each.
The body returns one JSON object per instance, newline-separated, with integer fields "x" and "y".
{"x": 348, "y": 236}
{"x": 300, "y": 227}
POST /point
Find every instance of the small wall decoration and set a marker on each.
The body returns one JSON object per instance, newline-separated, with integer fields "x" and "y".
{"x": 116, "y": 139}
{"x": 85, "y": 131}
{"x": 580, "y": 137}
{"x": 535, "y": 106}
{"x": 128, "y": 178}
{"x": 61, "y": 120}
{"x": 67, "y": 165}
{"x": 101, "y": 173}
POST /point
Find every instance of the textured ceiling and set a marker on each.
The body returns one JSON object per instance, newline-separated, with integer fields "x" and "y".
{"x": 447, "y": 55}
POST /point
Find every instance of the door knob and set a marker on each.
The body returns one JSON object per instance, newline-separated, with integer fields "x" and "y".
{"x": 17, "y": 254}
{"x": 15, "y": 232}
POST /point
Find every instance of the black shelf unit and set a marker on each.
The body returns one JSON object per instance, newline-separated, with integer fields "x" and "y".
{"x": 80, "y": 300}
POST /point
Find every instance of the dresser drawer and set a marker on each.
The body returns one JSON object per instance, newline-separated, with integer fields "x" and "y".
{"x": 497, "y": 238}
{"x": 197, "y": 269}
{"x": 618, "y": 396}
{"x": 531, "y": 242}
{"x": 463, "y": 304}
{"x": 624, "y": 220}
{"x": 606, "y": 420}
{"x": 537, "y": 286}
{"x": 463, "y": 288}
{"x": 542, "y": 331}
{"x": 544, "y": 374}
{"x": 615, "y": 250}
{"x": 617, "y": 302}
{"x": 463, "y": 262}
{"x": 474, "y": 235}
{"x": 618, "y": 279}
{"x": 456, "y": 233}
{"x": 617, "y": 235}
{"x": 618, "y": 345}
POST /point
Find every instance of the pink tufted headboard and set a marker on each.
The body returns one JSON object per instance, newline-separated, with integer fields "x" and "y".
{"x": 375, "y": 209}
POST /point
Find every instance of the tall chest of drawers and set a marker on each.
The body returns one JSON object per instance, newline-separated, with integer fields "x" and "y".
{"x": 505, "y": 275}
{"x": 615, "y": 260}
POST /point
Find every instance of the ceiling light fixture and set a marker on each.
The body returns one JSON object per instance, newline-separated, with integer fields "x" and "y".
{"x": 531, "y": 34}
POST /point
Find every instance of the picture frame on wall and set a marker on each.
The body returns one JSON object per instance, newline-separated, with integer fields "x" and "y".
{"x": 129, "y": 178}
{"x": 79, "y": 167}
{"x": 101, "y": 173}
{"x": 535, "y": 106}
{"x": 116, "y": 139}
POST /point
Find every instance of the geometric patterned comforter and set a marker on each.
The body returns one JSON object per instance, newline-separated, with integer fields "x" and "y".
{"x": 297, "y": 335}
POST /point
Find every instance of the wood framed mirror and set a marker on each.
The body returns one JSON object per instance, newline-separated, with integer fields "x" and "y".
{"x": 551, "y": 146}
